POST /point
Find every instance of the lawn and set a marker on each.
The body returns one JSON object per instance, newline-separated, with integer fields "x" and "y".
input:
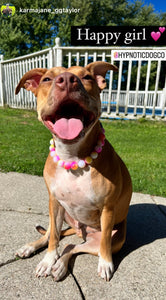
{"x": 24, "y": 143}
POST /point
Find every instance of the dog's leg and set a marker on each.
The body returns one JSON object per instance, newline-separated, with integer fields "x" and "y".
{"x": 91, "y": 246}
{"x": 30, "y": 248}
{"x": 56, "y": 212}
{"x": 105, "y": 265}
{"x": 119, "y": 237}
{"x": 65, "y": 232}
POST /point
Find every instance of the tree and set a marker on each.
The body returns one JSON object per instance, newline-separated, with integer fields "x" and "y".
{"x": 141, "y": 15}
{"x": 28, "y": 32}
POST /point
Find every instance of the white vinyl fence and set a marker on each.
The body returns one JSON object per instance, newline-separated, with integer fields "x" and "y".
{"x": 118, "y": 100}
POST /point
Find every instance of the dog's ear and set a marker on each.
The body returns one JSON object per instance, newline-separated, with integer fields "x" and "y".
{"x": 30, "y": 80}
{"x": 99, "y": 69}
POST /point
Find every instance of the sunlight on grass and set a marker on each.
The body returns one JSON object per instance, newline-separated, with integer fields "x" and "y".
{"x": 142, "y": 147}
{"x": 24, "y": 146}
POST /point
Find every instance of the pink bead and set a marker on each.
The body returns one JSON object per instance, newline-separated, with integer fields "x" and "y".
{"x": 56, "y": 158}
{"x": 67, "y": 165}
{"x": 98, "y": 149}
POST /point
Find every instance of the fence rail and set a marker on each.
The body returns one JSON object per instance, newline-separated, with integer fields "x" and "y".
{"x": 118, "y": 100}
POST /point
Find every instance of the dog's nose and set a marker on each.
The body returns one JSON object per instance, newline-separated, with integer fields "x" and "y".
{"x": 66, "y": 80}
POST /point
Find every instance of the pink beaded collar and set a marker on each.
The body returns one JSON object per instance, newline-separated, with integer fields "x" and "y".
{"x": 82, "y": 163}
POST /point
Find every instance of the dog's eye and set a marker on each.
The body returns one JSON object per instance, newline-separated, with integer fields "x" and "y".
{"x": 88, "y": 77}
{"x": 46, "y": 79}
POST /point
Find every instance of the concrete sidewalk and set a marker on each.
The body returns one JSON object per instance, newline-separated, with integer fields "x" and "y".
{"x": 140, "y": 265}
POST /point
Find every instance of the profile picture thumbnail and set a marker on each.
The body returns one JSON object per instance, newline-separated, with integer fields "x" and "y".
{"x": 7, "y": 10}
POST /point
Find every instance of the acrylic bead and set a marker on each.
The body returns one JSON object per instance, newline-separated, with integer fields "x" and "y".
{"x": 51, "y": 142}
{"x": 51, "y": 147}
{"x": 60, "y": 163}
{"x": 52, "y": 153}
{"x": 67, "y": 165}
{"x": 56, "y": 158}
{"x": 88, "y": 160}
{"x": 94, "y": 155}
{"x": 74, "y": 165}
{"x": 98, "y": 149}
{"x": 81, "y": 164}
{"x": 99, "y": 143}
{"x": 102, "y": 136}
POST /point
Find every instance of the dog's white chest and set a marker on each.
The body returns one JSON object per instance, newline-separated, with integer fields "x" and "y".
{"x": 76, "y": 195}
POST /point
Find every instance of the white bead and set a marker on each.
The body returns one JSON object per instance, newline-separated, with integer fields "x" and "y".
{"x": 81, "y": 163}
{"x": 52, "y": 153}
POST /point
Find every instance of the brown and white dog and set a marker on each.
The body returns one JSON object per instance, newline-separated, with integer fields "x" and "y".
{"x": 93, "y": 198}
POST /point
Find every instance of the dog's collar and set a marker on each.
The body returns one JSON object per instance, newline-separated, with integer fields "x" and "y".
{"x": 82, "y": 163}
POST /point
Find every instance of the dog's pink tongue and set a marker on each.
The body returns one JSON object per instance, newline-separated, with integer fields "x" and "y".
{"x": 68, "y": 129}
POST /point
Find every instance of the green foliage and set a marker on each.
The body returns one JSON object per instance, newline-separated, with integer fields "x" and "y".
{"x": 24, "y": 143}
{"x": 26, "y": 33}
{"x": 139, "y": 14}
{"x": 163, "y": 18}
{"x": 144, "y": 76}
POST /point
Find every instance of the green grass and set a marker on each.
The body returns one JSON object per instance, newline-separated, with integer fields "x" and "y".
{"x": 24, "y": 143}
{"x": 142, "y": 145}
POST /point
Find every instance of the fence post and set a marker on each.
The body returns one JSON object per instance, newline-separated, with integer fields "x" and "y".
{"x": 128, "y": 86}
{"x": 156, "y": 88}
{"x": 58, "y": 53}
{"x": 119, "y": 87}
{"x": 137, "y": 87}
{"x": 1, "y": 81}
{"x": 163, "y": 102}
{"x": 110, "y": 87}
{"x": 50, "y": 60}
{"x": 146, "y": 89}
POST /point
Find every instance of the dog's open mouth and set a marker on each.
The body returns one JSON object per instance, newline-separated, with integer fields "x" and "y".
{"x": 69, "y": 120}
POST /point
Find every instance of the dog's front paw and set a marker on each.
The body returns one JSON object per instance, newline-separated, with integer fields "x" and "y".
{"x": 44, "y": 267}
{"x": 25, "y": 251}
{"x": 59, "y": 270}
{"x": 105, "y": 269}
